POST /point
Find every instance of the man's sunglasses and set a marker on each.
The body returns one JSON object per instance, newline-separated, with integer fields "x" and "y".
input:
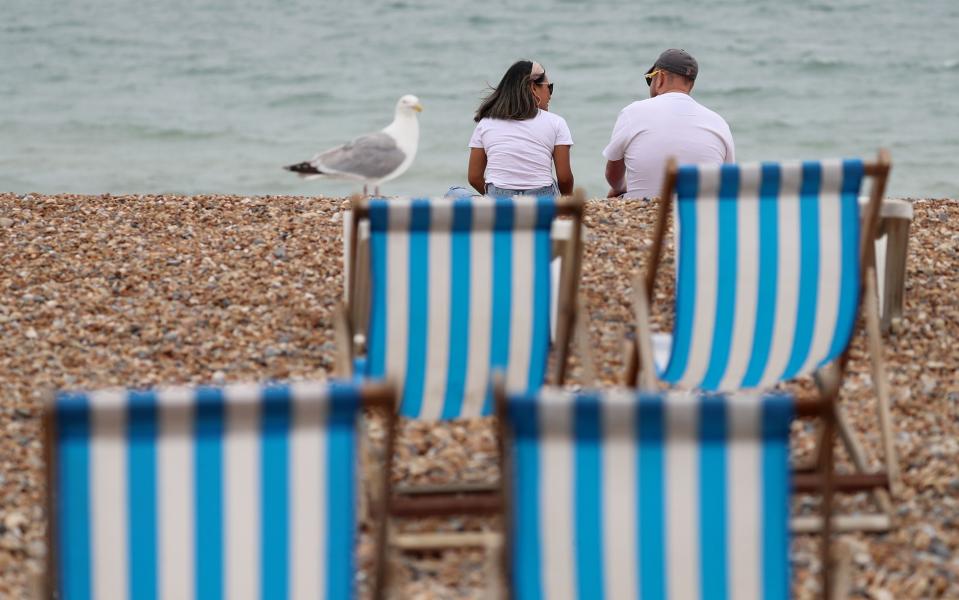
{"x": 651, "y": 74}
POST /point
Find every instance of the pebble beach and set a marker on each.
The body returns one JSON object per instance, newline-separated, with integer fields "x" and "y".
{"x": 139, "y": 291}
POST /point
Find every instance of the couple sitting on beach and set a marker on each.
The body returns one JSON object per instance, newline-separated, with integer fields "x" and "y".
{"x": 517, "y": 141}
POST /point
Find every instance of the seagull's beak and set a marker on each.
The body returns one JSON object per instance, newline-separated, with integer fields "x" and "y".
{"x": 418, "y": 107}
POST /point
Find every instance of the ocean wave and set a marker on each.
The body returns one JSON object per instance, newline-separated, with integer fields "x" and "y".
{"x": 740, "y": 90}
{"x": 142, "y": 132}
{"x": 298, "y": 99}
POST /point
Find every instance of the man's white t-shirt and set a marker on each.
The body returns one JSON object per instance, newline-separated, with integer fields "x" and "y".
{"x": 519, "y": 154}
{"x": 648, "y": 132}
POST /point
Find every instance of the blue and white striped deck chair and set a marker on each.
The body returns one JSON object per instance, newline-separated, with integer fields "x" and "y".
{"x": 633, "y": 495}
{"x": 458, "y": 289}
{"x": 244, "y": 491}
{"x": 770, "y": 272}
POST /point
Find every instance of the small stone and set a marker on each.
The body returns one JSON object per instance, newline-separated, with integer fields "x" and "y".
{"x": 6, "y": 222}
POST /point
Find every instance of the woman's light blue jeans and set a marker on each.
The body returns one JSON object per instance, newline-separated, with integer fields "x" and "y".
{"x": 498, "y": 192}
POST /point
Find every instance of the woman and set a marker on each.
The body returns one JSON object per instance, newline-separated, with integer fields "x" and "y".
{"x": 517, "y": 140}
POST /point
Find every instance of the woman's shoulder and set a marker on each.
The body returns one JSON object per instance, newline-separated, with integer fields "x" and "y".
{"x": 553, "y": 119}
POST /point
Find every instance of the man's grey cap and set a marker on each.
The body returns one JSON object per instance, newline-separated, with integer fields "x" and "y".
{"x": 678, "y": 61}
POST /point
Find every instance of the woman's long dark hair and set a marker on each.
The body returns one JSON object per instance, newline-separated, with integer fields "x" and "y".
{"x": 513, "y": 98}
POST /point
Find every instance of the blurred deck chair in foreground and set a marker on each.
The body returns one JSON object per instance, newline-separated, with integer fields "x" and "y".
{"x": 628, "y": 495}
{"x": 892, "y": 248}
{"x": 444, "y": 293}
{"x": 773, "y": 262}
{"x": 244, "y": 491}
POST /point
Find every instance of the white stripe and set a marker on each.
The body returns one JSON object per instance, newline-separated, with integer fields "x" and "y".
{"x": 682, "y": 496}
{"x": 397, "y": 299}
{"x": 438, "y": 322}
{"x": 787, "y": 274}
{"x": 481, "y": 307}
{"x": 108, "y": 494}
{"x": 620, "y": 503}
{"x": 521, "y": 296}
{"x": 241, "y": 493}
{"x": 707, "y": 245}
{"x": 557, "y": 513}
{"x": 830, "y": 264}
{"x": 175, "y": 491}
{"x": 744, "y": 499}
{"x": 308, "y": 490}
{"x": 747, "y": 278}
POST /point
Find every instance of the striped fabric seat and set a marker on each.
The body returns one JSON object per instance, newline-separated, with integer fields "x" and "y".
{"x": 768, "y": 271}
{"x": 459, "y": 289}
{"x": 629, "y": 495}
{"x": 235, "y": 492}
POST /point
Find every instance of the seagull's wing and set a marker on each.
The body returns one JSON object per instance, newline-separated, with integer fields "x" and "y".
{"x": 369, "y": 156}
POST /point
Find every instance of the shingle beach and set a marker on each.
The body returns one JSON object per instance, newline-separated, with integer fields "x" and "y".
{"x": 139, "y": 291}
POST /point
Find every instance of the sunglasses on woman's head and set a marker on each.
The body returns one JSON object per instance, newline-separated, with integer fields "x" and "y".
{"x": 549, "y": 86}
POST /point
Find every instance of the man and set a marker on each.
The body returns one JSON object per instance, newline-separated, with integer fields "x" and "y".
{"x": 669, "y": 123}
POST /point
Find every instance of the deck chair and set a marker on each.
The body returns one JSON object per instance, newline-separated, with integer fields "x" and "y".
{"x": 773, "y": 261}
{"x": 892, "y": 243}
{"x": 453, "y": 290}
{"x": 244, "y": 491}
{"x": 628, "y": 495}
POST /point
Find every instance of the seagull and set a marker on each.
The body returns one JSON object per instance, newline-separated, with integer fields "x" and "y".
{"x": 372, "y": 158}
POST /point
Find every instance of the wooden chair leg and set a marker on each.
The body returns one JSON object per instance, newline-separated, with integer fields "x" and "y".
{"x": 881, "y": 382}
{"x": 842, "y": 571}
{"x": 646, "y": 376}
{"x": 583, "y": 346}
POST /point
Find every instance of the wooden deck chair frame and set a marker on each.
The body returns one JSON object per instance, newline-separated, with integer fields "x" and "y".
{"x": 823, "y": 480}
{"x": 374, "y": 396}
{"x": 640, "y": 371}
{"x": 458, "y": 498}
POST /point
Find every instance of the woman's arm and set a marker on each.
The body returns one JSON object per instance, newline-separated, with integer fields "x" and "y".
{"x": 476, "y": 174}
{"x": 564, "y": 173}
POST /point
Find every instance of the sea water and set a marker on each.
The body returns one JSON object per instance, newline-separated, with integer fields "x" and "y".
{"x": 214, "y": 96}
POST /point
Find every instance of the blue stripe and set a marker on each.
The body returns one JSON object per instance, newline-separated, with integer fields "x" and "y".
{"x": 808, "y": 269}
{"x": 727, "y": 257}
{"x": 776, "y": 417}
{"x": 651, "y": 490}
{"x": 142, "y": 426}
{"x": 687, "y": 186}
{"x": 417, "y": 308}
{"x": 379, "y": 285}
{"x": 587, "y": 497}
{"x": 768, "y": 274}
{"x": 527, "y": 551}
{"x": 713, "y": 498}
{"x": 275, "y": 422}
{"x": 72, "y": 534}
{"x": 539, "y": 350}
{"x": 502, "y": 291}
{"x": 208, "y": 486}
{"x": 340, "y": 490}
{"x": 852, "y": 172}
{"x": 461, "y": 262}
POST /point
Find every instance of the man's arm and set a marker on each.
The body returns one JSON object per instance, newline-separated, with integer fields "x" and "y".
{"x": 616, "y": 177}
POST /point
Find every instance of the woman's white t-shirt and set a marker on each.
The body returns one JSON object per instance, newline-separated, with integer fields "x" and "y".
{"x": 519, "y": 154}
